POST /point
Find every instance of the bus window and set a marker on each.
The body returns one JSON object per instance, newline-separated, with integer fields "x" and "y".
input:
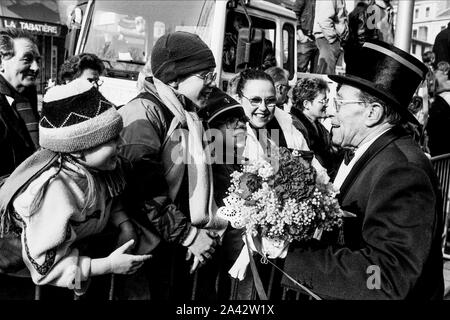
{"x": 123, "y": 33}
{"x": 234, "y": 22}
{"x": 288, "y": 49}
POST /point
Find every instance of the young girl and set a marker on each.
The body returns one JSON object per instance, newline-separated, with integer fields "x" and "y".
{"x": 67, "y": 190}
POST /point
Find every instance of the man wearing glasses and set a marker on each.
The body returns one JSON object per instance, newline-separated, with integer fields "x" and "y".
{"x": 392, "y": 243}
{"x": 171, "y": 182}
{"x": 280, "y": 78}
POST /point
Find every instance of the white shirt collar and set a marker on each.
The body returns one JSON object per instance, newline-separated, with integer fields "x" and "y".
{"x": 344, "y": 169}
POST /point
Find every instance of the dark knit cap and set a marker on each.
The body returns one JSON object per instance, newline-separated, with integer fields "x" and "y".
{"x": 179, "y": 54}
{"x": 77, "y": 117}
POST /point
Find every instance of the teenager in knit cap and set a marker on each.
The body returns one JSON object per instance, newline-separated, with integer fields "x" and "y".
{"x": 68, "y": 190}
{"x": 177, "y": 195}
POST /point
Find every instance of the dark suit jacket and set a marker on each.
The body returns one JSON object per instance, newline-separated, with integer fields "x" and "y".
{"x": 15, "y": 141}
{"x": 441, "y": 46}
{"x": 393, "y": 191}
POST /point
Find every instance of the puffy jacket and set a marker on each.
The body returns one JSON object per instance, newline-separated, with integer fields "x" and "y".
{"x": 146, "y": 124}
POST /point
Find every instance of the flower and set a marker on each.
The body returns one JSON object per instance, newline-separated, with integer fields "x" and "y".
{"x": 248, "y": 184}
{"x": 286, "y": 201}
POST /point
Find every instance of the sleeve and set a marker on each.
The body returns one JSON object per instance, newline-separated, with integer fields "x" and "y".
{"x": 298, "y": 8}
{"x": 47, "y": 241}
{"x": 397, "y": 231}
{"x": 325, "y": 13}
{"x": 147, "y": 185}
{"x": 118, "y": 214}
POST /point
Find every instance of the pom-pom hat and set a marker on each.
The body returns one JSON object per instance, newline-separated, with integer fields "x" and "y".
{"x": 77, "y": 117}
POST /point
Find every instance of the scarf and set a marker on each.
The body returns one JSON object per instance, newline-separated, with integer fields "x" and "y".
{"x": 32, "y": 167}
{"x": 265, "y": 148}
{"x": 22, "y": 107}
{"x": 202, "y": 207}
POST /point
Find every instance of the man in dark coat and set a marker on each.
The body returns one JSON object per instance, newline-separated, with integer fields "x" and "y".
{"x": 19, "y": 67}
{"x": 392, "y": 246}
{"x": 441, "y": 46}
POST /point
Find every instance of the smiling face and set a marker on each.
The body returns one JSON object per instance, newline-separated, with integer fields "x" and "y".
{"x": 316, "y": 108}
{"x": 197, "y": 88}
{"x": 102, "y": 157}
{"x": 348, "y": 119}
{"x": 22, "y": 69}
{"x": 259, "y": 115}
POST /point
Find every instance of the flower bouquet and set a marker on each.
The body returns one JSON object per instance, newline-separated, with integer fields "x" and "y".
{"x": 279, "y": 202}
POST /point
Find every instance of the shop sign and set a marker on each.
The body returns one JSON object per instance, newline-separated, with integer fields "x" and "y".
{"x": 41, "y": 28}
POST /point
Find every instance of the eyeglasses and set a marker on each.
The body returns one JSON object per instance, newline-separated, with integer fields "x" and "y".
{"x": 207, "y": 78}
{"x": 338, "y": 103}
{"x": 324, "y": 101}
{"x": 270, "y": 102}
{"x": 96, "y": 82}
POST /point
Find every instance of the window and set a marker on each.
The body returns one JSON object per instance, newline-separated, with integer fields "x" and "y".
{"x": 427, "y": 12}
{"x": 236, "y": 21}
{"x": 414, "y": 35}
{"x": 416, "y": 14}
{"x": 288, "y": 49}
{"x": 423, "y": 33}
{"x": 414, "y": 48}
{"x": 123, "y": 35}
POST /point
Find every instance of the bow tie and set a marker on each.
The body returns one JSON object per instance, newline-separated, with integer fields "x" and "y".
{"x": 348, "y": 156}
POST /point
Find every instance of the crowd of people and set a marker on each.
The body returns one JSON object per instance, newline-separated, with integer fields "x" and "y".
{"x": 89, "y": 189}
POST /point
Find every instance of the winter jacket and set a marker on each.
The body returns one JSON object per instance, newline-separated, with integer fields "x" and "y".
{"x": 49, "y": 235}
{"x": 146, "y": 126}
{"x": 331, "y": 20}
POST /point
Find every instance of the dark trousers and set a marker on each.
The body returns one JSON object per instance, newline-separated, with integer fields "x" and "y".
{"x": 307, "y": 56}
{"x": 328, "y": 56}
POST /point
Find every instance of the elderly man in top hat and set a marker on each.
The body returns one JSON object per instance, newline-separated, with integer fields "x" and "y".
{"x": 392, "y": 244}
{"x": 171, "y": 186}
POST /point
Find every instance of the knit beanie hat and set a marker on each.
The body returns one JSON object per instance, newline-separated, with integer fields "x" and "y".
{"x": 77, "y": 117}
{"x": 180, "y": 54}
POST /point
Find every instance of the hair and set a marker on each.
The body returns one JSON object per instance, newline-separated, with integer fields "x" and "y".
{"x": 251, "y": 74}
{"x": 390, "y": 114}
{"x": 73, "y": 67}
{"x": 307, "y": 89}
{"x": 428, "y": 57}
{"x": 7, "y": 36}
{"x": 443, "y": 66}
{"x": 278, "y": 74}
{"x": 232, "y": 85}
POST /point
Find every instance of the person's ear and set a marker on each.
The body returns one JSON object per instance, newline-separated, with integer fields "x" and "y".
{"x": 374, "y": 114}
{"x": 306, "y": 104}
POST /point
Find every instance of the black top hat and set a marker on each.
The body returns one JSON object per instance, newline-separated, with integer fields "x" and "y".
{"x": 387, "y": 73}
{"x": 221, "y": 106}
